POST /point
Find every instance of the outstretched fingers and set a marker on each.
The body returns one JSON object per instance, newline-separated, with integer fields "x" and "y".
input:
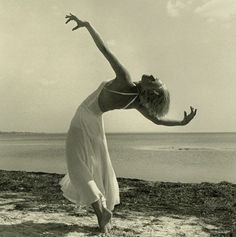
{"x": 68, "y": 21}
{"x": 69, "y": 18}
{"x": 75, "y": 28}
{"x": 190, "y": 116}
{"x": 193, "y": 111}
{"x": 79, "y": 23}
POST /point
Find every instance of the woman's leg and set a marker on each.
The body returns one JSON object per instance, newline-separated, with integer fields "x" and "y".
{"x": 103, "y": 214}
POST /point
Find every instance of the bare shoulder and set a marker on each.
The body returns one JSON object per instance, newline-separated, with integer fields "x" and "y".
{"x": 121, "y": 84}
{"x": 123, "y": 76}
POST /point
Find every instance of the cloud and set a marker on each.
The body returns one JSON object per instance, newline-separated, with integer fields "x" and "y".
{"x": 217, "y": 10}
{"x": 211, "y": 10}
{"x": 174, "y": 7}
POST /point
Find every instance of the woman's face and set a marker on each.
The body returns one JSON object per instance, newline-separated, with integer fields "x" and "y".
{"x": 148, "y": 82}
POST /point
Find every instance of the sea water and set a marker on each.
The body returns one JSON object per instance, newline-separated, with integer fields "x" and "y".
{"x": 174, "y": 157}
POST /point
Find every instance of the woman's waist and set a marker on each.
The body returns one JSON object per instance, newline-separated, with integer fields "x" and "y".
{"x": 86, "y": 115}
{"x": 92, "y": 108}
{"x": 87, "y": 124}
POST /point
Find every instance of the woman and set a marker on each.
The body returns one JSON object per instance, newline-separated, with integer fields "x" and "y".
{"x": 91, "y": 179}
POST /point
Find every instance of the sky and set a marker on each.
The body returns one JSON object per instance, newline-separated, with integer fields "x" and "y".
{"x": 46, "y": 70}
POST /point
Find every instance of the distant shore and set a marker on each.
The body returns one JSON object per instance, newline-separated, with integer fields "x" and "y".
{"x": 110, "y": 133}
{"x": 29, "y": 133}
{"x": 204, "y": 208}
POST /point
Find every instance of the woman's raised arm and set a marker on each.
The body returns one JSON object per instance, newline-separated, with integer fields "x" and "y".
{"x": 167, "y": 122}
{"x": 120, "y": 71}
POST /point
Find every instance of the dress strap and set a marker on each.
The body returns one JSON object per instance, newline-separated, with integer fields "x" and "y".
{"x": 124, "y": 93}
{"x": 130, "y": 102}
{"x": 120, "y": 93}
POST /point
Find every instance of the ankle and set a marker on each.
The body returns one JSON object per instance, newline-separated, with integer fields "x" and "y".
{"x": 99, "y": 214}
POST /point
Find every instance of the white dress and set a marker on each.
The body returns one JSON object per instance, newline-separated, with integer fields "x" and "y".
{"x": 90, "y": 175}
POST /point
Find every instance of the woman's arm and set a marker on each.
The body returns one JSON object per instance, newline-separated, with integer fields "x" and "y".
{"x": 166, "y": 122}
{"x": 120, "y": 71}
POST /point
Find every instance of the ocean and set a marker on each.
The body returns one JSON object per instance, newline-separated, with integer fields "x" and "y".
{"x": 169, "y": 157}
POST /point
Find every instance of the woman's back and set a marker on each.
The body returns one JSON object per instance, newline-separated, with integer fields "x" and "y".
{"x": 112, "y": 96}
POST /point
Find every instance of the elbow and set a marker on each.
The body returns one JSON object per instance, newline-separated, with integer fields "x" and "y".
{"x": 156, "y": 121}
{"x": 161, "y": 122}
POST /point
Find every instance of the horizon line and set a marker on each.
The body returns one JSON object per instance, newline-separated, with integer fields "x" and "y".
{"x": 62, "y": 133}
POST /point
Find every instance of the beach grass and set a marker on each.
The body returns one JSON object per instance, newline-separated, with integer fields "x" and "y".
{"x": 146, "y": 207}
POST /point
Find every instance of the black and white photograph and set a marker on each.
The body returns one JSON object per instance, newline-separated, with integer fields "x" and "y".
{"x": 117, "y": 118}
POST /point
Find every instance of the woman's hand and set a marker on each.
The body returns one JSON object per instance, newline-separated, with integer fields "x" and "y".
{"x": 188, "y": 117}
{"x": 74, "y": 18}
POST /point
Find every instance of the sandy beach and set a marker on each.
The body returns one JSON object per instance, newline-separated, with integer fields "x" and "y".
{"x": 31, "y": 204}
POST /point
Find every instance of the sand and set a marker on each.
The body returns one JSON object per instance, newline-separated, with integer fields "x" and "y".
{"x": 31, "y": 204}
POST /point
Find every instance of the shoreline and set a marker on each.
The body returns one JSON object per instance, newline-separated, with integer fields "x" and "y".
{"x": 209, "y": 209}
{"x": 108, "y": 133}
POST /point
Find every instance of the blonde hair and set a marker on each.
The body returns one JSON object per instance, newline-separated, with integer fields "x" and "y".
{"x": 156, "y": 101}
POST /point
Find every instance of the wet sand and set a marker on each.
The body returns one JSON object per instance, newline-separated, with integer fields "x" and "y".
{"x": 32, "y": 204}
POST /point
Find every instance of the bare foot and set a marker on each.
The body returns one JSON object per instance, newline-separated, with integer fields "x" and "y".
{"x": 109, "y": 225}
{"x": 104, "y": 235}
{"x": 105, "y": 220}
